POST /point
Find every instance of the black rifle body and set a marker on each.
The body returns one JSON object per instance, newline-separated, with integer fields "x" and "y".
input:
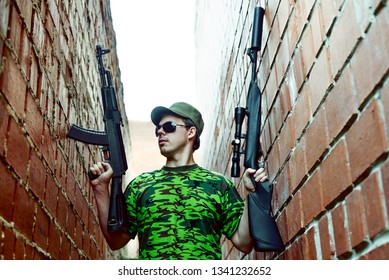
{"x": 263, "y": 228}
{"x": 111, "y": 141}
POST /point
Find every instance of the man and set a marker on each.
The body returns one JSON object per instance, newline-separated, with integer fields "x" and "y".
{"x": 181, "y": 210}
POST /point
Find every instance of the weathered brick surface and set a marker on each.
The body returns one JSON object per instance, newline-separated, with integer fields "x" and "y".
{"x": 49, "y": 80}
{"x": 323, "y": 71}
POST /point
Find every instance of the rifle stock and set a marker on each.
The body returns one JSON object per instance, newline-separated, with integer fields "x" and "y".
{"x": 263, "y": 228}
{"x": 112, "y": 144}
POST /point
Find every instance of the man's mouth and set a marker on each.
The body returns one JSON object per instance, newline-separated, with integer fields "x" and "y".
{"x": 162, "y": 141}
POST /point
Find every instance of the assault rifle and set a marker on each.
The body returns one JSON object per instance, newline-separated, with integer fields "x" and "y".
{"x": 111, "y": 141}
{"x": 263, "y": 228}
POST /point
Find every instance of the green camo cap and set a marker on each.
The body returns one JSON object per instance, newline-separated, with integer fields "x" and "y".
{"x": 181, "y": 109}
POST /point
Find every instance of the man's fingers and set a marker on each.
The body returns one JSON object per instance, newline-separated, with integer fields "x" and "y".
{"x": 97, "y": 168}
{"x": 260, "y": 175}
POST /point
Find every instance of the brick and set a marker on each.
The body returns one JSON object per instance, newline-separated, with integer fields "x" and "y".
{"x": 34, "y": 74}
{"x": 312, "y": 198}
{"x": 70, "y": 188}
{"x": 356, "y": 218}
{"x": 12, "y": 84}
{"x": 7, "y": 186}
{"x": 286, "y": 140}
{"x": 19, "y": 249}
{"x": 294, "y": 216}
{"x": 42, "y": 88}
{"x": 341, "y": 105}
{"x": 286, "y": 105}
{"x": 51, "y": 195}
{"x": 326, "y": 244}
{"x": 29, "y": 252}
{"x": 5, "y": 11}
{"x": 373, "y": 204}
{"x": 344, "y": 36}
{"x": 367, "y": 134}
{"x": 328, "y": 13}
{"x": 298, "y": 165}
{"x": 73, "y": 253}
{"x": 53, "y": 11}
{"x": 18, "y": 150}
{"x": 25, "y": 8}
{"x": 301, "y": 113}
{"x": 385, "y": 183}
{"x": 38, "y": 33}
{"x": 50, "y": 28}
{"x": 320, "y": 79}
{"x": 317, "y": 30}
{"x": 281, "y": 189}
{"x": 24, "y": 55}
{"x": 317, "y": 141}
{"x": 274, "y": 41}
{"x": 41, "y": 230}
{"x": 273, "y": 161}
{"x": 65, "y": 249}
{"x": 271, "y": 86}
{"x": 3, "y": 125}
{"x": 37, "y": 176}
{"x": 341, "y": 232}
{"x": 274, "y": 123}
{"x": 33, "y": 120}
{"x": 54, "y": 242}
{"x": 283, "y": 11}
{"x": 308, "y": 52}
{"x": 296, "y": 24}
{"x": 71, "y": 228}
{"x": 296, "y": 251}
{"x": 282, "y": 60}
{"x": 367, "y": 63}
{"x": 296, "y": 77}
{"x": 9, "y": 244}
{"x": 86, "y": 245}
{"x": 311, "y": 253}
{"x": 24, "y": 212}
{"x": 385, "y": 101}
{"x": 48, "y": 149}
{"x": 380, "y": 253}
{"x": 15, "y": 29}
{"x": 79, "y": 234}
{"x": 282, "y": 226}
{"x": 335, "y": 171}
{"x": 38, "y": 255}
{"x": 62, "y": 211}
{"x": 60, "y": 169}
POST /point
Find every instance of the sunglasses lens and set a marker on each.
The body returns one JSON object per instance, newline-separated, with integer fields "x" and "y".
{"x": 168, "y": 127}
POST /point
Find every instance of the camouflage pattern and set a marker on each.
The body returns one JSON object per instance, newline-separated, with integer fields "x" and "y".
{"x": 181, "y": 213}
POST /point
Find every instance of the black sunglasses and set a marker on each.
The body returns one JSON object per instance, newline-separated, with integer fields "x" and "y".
{"x": 168, "y": 127}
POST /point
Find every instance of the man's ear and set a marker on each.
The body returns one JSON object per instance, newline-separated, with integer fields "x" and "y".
{"x": 192, "y": 132}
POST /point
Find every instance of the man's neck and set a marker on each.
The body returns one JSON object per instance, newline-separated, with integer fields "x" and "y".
{"x": 182, "y": 161}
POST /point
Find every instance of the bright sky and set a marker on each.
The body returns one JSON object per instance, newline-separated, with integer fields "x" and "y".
{"x": 155, "y": 44}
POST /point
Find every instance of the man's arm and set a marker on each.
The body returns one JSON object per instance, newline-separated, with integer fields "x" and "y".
{"x": 241, "y": 238}
{"x": 100, "y": 186}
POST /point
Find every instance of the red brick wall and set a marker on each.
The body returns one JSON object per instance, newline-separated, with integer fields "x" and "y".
{"x": 323, "y": 71}
{"x": 48, "y": 81}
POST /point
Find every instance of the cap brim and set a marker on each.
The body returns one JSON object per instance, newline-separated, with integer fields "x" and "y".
{"x": 158, "y": 113}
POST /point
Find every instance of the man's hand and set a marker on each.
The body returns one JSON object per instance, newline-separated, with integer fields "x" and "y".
{"x": 104, "y": 172}
{"x": 260, "y": 175}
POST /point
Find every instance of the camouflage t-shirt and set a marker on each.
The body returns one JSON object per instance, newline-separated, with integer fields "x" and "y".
{"x": 181, "y": 213}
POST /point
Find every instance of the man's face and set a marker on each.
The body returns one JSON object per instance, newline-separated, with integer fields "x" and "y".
{"x": 171, "y": 143}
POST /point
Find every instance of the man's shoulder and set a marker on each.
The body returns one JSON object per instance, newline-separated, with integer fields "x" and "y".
{"x": 145, "y": 176}
{"x": 213, "y": 174}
